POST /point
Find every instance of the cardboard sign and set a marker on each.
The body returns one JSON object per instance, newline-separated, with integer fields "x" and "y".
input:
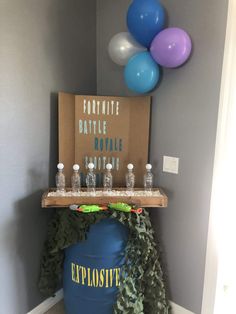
{"x": 102, "y": 129}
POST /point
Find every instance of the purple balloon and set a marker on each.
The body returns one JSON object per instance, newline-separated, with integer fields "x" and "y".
{"x": 171, "y": 47}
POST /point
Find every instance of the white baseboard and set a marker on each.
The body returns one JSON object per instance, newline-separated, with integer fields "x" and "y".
{"x": 177, "y": 309}
{"x": 47, "y": 304}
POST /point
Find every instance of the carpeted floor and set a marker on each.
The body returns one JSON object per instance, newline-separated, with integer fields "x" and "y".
{"x": 57, "y": 309}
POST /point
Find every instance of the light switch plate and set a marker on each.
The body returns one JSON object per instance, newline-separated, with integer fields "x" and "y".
{"x": 170, "y": 164}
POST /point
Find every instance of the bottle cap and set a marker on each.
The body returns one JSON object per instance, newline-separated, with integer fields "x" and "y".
{"x": 60, "y": 166}
{"x": 148, "y": 166}
{"x": 108, "y": 166}
{"x": 130, "y": 166}
{"x": 76, "y": 167}
{"x": 91, "y": 165}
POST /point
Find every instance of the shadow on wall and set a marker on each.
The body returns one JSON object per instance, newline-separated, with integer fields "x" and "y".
{"x": 160, "y": 247}
{"x": 30, "y": 221}
{"x": 23, "y": 250}
{"x": 53, "y": 150}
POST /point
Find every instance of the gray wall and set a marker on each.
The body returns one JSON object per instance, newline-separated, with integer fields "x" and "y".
{"x": 45, "y": 46}
{"x": 184, "y": 117}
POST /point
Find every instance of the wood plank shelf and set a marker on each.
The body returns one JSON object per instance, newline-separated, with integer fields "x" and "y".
{"x": 157, "y": 198}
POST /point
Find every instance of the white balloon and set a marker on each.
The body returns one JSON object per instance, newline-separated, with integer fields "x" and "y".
{"x": 123, "y": 46}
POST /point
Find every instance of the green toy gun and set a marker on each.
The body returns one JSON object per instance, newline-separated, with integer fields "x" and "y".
{"x": 88, "y": 208}
{"x": 123, "y": 207}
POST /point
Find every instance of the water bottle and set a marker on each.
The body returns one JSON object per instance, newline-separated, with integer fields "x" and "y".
{"x": 148, "y": 178}
{"x": 60, "y": 178}
{"x": 107, "y": 179}
{"x": 130, "y": 178}
{"x": 75, "y": 179}
{"x": 91, "y": 178}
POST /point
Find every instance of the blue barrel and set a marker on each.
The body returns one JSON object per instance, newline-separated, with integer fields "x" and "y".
{"x": 92, "y": 269}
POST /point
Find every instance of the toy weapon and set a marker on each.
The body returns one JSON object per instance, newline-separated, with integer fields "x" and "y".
{"x": 123, "y": 207}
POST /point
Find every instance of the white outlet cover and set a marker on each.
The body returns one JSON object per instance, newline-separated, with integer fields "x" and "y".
{"x": 171, "y": 164}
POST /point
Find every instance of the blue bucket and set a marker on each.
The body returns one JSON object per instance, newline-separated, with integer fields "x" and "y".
{"x": 92, "y": 269}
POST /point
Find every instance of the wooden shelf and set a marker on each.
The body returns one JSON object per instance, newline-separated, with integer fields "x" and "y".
{"x": 154, "y": 200}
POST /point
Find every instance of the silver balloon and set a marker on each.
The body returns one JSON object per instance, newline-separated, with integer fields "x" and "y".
{"x": 123, "y": 46}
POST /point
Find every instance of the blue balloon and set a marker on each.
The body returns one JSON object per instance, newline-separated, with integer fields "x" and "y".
{"x": 141, "y": 73}
{"x": 145, "y": 19}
